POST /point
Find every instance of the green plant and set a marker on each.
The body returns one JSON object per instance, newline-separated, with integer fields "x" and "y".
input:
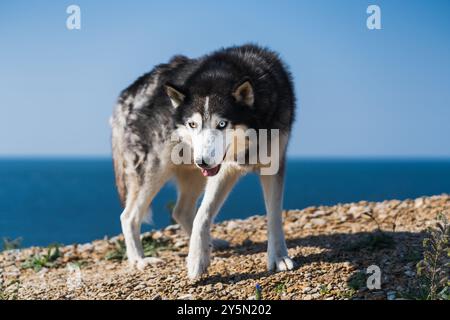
{"x": 357, "y": 280}
{"x": 78, "y": 264}
{"x": 412, "y": 255}
{"x": 11, "y": 244}
{"x": 47, "y": 260}
{"x": 258, "y": 292}
{"x": 324, "y": 290}
{"x": 377, "y": 240}
{"x": 347, "y": 294}
{"x": 280, "y": 288}
{"x": 118, "y": 253}
{"x": 374, "y": 241}
{"x": 151, "y": 248}
{"x": 434, "y": 268}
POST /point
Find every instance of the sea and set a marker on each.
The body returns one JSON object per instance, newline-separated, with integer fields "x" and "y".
{"x": 61, "y": 200}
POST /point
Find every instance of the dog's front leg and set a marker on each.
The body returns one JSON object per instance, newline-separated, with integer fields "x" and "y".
{"x": 277, "y": 255}
{"x": 217, "y": 189}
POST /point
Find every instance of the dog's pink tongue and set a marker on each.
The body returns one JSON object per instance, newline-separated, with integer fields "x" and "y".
{"x": 210, "y": 172}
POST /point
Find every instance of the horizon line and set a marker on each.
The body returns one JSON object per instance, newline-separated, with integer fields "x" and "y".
{"x": 292, "y": 157}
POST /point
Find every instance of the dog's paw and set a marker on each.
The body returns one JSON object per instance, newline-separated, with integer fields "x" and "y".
{"x": 220, "y": 244}
{"x": 280, "y": 263}
{"x": 196, "y": 269}
{"x": 197, "y": 263}
{"x": 141, "y": 263}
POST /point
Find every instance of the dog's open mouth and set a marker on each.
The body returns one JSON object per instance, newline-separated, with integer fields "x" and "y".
{"x": 210, "y": 172}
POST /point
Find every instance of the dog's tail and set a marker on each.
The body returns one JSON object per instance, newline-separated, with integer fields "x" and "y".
{"x": 120, "y": 178}
{"x": 118, "y": 155}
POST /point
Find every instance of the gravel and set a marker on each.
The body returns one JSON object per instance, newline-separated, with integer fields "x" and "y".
{"x": 330, "y": 246}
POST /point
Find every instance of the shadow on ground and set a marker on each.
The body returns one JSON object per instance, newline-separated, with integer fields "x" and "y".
{"x": 391, "y": 251}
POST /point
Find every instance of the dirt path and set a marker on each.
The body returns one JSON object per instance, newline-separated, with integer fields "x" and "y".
{"x": 332, "y": 247}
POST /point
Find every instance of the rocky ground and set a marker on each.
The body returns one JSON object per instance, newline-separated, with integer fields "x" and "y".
{"x": 332, "y": 247}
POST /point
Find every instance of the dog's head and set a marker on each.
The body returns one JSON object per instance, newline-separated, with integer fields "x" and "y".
{"x": 206, "y": 114}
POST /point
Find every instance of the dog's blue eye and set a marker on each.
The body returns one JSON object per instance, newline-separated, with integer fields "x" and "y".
{"x": 222, "y": 124}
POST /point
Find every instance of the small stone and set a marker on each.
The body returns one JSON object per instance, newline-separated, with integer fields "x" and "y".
{"x": 314, "y": 290}
{"x": 410, "y": 273}
{"x": 318, "y": 213}
{"x": 218, "y": 286}
{"x": 139, "y": 287}
{"x": 391, "y": 295}
{"x": 157, "y": 235}
{"x": 115, "y": 239}
{"x": 418, "y": 203}
{"x": 307, "y": 225}
{"x": 86, "y": 247}
{"x": 179, "y": 244}
{"x": 232, "y": 225}
{"x": 318, "y": 222}
{"x": 173, "y": 227}
{"x": 207, "y": 288}
{"x": 43, "y": 271}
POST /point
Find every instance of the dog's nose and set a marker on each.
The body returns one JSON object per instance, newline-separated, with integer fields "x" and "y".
{"x": 201, "y": 163}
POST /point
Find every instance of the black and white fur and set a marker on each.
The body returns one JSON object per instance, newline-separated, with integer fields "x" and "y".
{"x": 238, "y": 87}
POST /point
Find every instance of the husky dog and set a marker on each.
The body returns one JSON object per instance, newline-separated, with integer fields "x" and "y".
{"x": 198, "y": 100}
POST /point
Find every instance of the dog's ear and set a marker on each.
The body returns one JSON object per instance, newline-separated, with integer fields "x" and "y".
{"x": 243, "y": 93}
{"x": 175, "y": 95}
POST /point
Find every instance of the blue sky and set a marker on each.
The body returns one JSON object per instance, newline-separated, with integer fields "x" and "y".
{"x": 360, "y": 92}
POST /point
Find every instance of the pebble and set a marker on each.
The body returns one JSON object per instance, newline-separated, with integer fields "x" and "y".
{"x": 179, "y": 244}
{"x": 308, "y": 225}
{"x": 418, "y": 203}
{"x": 318, "y": 222}
{"x": 139, "y": 287}
{"x": 410, "y": 273}
{"x": 157, "y": 235}
{"x": 85, "y": 247}
{"x": 173, "y": 227}
{"x": 218, "y": 286}
{"x": 391, "y": 295}
{"x": 314, "y": 290}
{"x": 232, "y": 225}
{"x": 115, "y": 239}
{"x": 318, "y": 213}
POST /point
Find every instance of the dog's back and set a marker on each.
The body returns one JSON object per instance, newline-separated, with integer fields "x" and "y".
{"x": 139, "y": 108}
